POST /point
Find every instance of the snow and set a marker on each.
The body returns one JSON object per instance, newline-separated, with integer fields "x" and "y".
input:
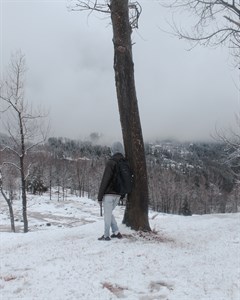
{"x": 185, "y": 258}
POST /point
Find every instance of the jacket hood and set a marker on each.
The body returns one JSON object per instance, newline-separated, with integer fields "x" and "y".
{"x": 117, "y": 147}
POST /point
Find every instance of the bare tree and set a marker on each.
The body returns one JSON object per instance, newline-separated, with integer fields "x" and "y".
{"x": 9, "y": 203}
{"x": 124, "y": 16}
{"x": 23, "y": 125}
{"x": 231, "y": 138}
{"x": 217, "y": 22}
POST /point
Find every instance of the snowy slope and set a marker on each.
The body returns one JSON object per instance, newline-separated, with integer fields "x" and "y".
{"x": 187, "y": 258}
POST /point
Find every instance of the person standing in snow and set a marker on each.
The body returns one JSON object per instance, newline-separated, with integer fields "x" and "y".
{"x": 107, "y": 194}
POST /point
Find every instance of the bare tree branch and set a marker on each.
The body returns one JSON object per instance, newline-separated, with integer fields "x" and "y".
{"x": 10, "y": 149}
{"x": 217, "y": 23}
{"x": 233, "y": 21}
{"x": 231, "y": 138}
{"x": 23, "y": 124}
{"x": 103, "y": 6}
{"x": 11, "y": 164}
{"x": 88, "y": 5}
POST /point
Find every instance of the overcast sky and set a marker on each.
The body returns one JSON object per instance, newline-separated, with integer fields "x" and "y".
{"x": 181, "y": 94}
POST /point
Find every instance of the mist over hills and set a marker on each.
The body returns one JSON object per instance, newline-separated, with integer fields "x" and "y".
{"x": 179, "y": 174}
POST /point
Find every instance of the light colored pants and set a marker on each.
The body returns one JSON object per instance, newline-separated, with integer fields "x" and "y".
{"x": 110, "y": 201}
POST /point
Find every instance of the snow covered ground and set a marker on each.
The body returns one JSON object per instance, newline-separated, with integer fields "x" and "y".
{"x": 186, "y": 258}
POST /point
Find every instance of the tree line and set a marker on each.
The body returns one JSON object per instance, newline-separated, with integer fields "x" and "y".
{"x": 180, "y": 175}
{"x": 192, "y": 176}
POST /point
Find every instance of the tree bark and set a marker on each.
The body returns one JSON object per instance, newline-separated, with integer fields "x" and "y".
{"x": 9, "y": 207}
{"x": 136, "y": 213}
{"x": 23, "y": 179}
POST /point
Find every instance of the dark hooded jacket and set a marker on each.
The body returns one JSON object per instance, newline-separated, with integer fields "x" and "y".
{"x": 106, "y": 186}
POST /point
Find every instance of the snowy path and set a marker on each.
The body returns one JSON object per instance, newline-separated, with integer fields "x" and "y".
{"x": 189, "y": 258}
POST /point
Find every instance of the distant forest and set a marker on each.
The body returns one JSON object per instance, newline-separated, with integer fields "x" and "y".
{"x": 183, "y": 178}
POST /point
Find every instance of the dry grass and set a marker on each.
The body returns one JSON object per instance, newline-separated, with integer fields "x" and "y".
{"x": 8, "y": 277}
{"x": 152, "y": 236}
{"x": 117, "y": 290}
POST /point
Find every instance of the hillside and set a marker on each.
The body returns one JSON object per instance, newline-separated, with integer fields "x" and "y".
{"x": 186, "y": 258}
{"x": 193, "y": 175}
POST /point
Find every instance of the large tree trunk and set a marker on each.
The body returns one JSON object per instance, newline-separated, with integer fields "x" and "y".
{"x": 24, "y": 200}
{"x": 136, "y": 213}
{"x": 23, "y": 179}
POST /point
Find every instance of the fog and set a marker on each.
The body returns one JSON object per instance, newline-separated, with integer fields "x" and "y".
{"x": 182, "y": 94}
